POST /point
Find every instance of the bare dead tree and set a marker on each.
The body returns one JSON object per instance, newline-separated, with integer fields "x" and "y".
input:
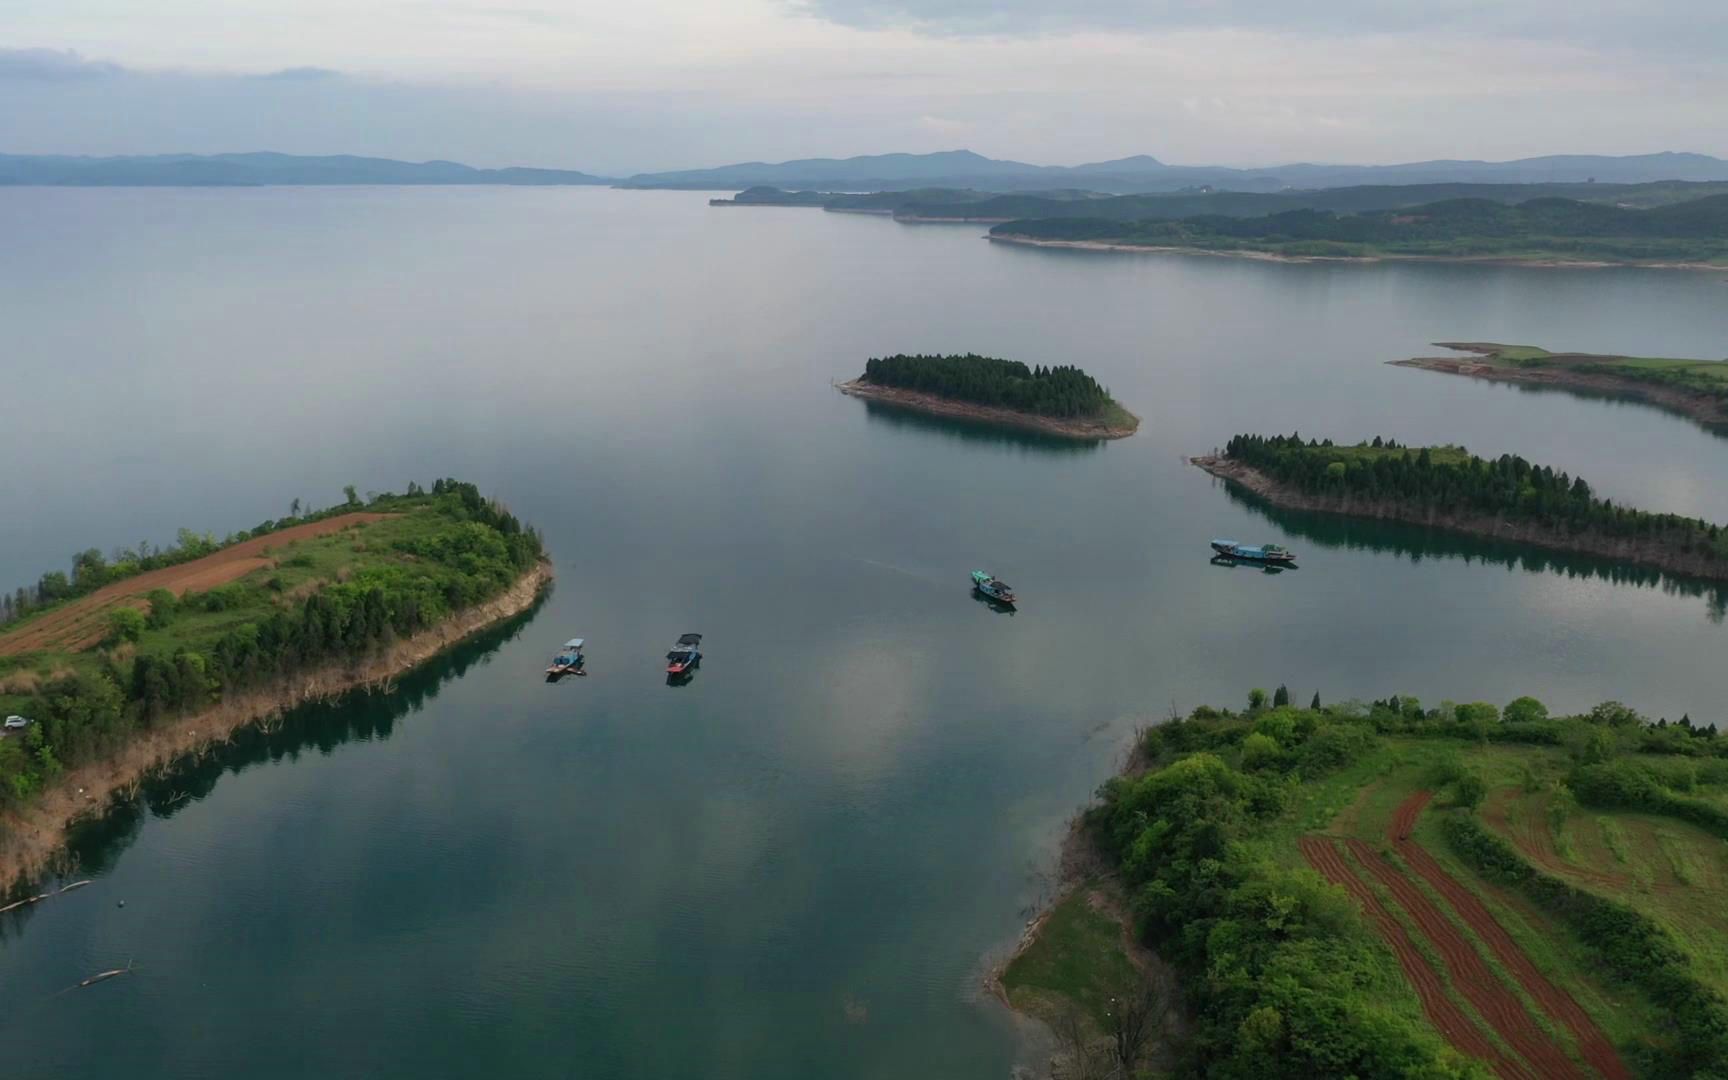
{"x": 1079, "y": 1055}
{"x": 1132, "y": 1020}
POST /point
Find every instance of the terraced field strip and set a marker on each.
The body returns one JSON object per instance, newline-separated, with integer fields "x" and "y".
{"x": 1441, "y": 1011}
{"x": 1598, "y": 1051}
{"x": 83, "y": 622}
{"x": 1536, "y": 843}
{"x": 1490, "y": 997}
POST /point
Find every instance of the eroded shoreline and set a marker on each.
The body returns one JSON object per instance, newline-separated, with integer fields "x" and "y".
{"x": 33, "y": 837}
{"x": 986, "y": 414}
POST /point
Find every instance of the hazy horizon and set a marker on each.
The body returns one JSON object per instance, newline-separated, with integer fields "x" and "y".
{"x": 675, "y": 84}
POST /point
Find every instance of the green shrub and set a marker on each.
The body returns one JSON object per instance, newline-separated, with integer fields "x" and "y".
{"x": 125, "y": 624}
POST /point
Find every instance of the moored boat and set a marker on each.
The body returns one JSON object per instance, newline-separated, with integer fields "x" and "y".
{"x": 569, "y": 658}
{"x": 1263, "y": 553}
{"x": 991, "y": 587}
{"x": 684, "y": 655}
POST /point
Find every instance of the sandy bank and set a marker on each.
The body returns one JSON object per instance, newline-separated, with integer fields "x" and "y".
{"x": 32, "y": 837}
{"x": 987, "y": 414}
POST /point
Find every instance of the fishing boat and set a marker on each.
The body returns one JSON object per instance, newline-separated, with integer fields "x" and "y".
{"x": 684, "y": 655}
{"x": 569, "y": 658}
{"x": 1262, "y": 553}
{"x": 992, "y": 588}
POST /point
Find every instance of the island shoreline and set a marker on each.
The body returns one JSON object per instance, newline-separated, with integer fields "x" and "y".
{"x": 1711, "y": 412}
{"x": 1088, "y": 430}
{"x": 1272, "y": 256}
{"x": 1480, "y": 525}
{"x": 33, "y": 837}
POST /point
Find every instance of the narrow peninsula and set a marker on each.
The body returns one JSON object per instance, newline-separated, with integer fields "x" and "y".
{"x": 130, "y": 662}
{"x": 1447, "y": 487}
{"x": 1540, "y": 232}
{"x": 1693, "y": 388}
{"x": 1387, "y": 889}
{"x": 1062, "y": 400}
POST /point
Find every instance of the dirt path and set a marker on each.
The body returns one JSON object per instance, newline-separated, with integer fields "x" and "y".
{"x": 1447, "y": 1018}
{"x": 1592, "y": 1043}
{"x": 83, "y": 622}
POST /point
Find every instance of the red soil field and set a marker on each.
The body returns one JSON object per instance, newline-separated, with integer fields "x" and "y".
{"x": 1447, "y": 1018}
{"x": 84, "y": 622}
{"x": 1491, "y": 998}
{"x": 1592, "y": 1043}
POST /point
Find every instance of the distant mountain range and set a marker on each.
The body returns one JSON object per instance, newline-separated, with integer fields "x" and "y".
{"x": 880, "y": 172}
{"x": 1143, "y": 174}
{"x": 226, "y": 170}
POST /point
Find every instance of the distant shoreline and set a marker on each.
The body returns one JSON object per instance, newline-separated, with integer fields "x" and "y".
{"x": 1065, "y": 427}
{"x": 1480, "y": 364}
{"x": 1273, "y": 256}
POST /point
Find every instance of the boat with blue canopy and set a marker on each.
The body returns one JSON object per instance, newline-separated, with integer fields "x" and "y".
{"x": 569, "y": 659}
{"x": 1263, "y": 553}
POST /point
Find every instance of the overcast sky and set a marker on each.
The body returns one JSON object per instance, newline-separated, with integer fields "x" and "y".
{"x": 627, "y": 85}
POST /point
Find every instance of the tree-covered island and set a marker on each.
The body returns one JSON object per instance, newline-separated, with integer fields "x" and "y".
{"x": 1447, "y": 487}
{"x": 135, "y": 659}
{"x": 1060, "y": 400}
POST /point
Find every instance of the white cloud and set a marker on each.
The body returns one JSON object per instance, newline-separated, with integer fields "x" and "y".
{"x": 678, "y": 83}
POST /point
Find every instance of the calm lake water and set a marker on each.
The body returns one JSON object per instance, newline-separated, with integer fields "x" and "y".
{"x": 796, "y": 865}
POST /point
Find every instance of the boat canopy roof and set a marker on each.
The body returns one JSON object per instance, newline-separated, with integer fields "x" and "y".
{"x": 690, "y": 639}
{"x": 573, "y": 643}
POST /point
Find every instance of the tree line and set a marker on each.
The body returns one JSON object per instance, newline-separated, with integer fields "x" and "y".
{"x": 1062, "y": 390}
{"x": 1457, "y": 482}
{"x": 479, "y": 551}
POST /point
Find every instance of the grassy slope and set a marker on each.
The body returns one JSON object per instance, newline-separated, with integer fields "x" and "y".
{"x": 1077, "y": 958}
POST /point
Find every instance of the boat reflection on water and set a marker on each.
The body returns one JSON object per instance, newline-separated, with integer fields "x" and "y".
{"x": 1252, "y": 564}
{"x": 992, "y": 603}
{"x": 683, "y": 678}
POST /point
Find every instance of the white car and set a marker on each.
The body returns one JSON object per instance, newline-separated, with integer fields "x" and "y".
{"x": 15, "y": 723}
